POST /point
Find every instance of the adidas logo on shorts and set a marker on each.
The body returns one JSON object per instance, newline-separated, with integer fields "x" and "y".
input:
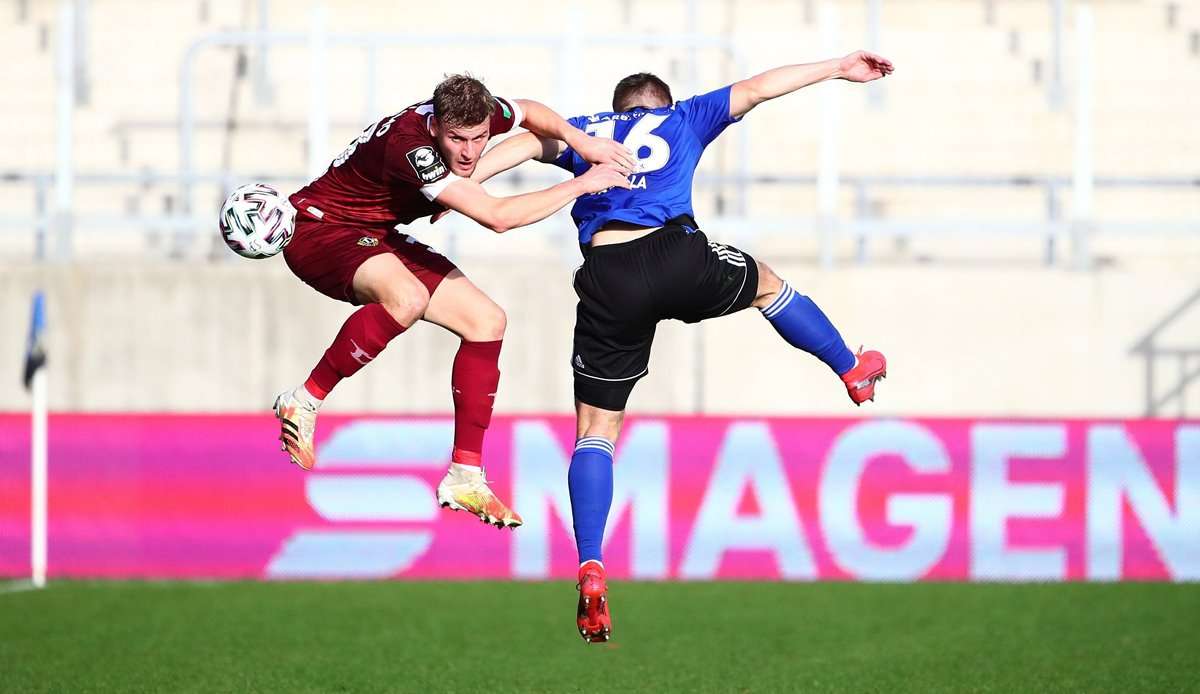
{"x": 729, "y": 255}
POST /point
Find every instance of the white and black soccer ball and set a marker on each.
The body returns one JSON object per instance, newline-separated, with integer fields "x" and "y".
{"x": 256, "y": 221}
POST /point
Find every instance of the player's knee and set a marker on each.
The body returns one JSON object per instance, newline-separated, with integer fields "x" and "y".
{"x": 769, "y": 286}
{"x": 406, "y": 303}
{"x": 487, "y": 323}
{"x": 607, "y": 428}
{"x": 496, "y": 322}
{"x": 593, "y": 421}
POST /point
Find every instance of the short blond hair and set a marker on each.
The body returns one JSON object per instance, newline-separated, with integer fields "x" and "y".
{"x": 462, "y": 100}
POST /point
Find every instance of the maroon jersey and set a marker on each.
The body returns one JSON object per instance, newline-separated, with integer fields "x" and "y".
{"x": 392, "y": 173}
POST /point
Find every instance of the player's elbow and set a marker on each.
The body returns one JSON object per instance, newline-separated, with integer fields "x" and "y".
{"x": 498, "y": 223}
{"x": 490, "y": 214}
{"x": 507, "y": 216}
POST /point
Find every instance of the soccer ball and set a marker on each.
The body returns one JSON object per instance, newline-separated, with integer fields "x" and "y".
{"x": 256, "y": 221}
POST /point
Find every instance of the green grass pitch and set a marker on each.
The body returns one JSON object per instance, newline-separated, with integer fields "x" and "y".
{"x": 519, "y": 637}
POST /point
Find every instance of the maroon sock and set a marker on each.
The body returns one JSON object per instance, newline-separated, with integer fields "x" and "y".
{"x": 362, "y": 337}
{"x": 474, "y": 380}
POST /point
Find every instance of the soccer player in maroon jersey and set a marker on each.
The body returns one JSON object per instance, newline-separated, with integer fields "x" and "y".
{"x": 417, "y": 163}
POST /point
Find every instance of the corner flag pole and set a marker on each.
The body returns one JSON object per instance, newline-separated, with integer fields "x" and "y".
{"x": 35, "y": 381}
{"x": 39, "y": 479}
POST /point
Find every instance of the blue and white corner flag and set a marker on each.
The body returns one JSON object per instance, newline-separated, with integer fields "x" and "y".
{"x": 35, "y": 349}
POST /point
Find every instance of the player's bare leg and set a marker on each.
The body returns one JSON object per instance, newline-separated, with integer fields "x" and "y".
{"x": 393, "y": 300}
{"x": 804, "y": 326}
{"x": 462, "y": 308}
{"x": 593, "y": 421}
{"x": 590, "y": 484}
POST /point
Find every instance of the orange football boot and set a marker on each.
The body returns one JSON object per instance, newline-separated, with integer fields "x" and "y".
{"x": 869, "y": 367}
{"x": 297, "y": 423}
{"x": 595, "y": 625}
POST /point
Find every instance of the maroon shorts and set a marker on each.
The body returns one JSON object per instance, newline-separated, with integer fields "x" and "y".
{"x": 326, "y": 255}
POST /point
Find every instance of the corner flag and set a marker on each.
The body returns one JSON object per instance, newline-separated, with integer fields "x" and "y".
{"x": 35, "y": 349}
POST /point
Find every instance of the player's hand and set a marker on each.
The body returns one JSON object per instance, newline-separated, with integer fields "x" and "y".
{"x": 601, "y": 150}
{"x": 861, "y": 66}
{"x": 601, "y": 177}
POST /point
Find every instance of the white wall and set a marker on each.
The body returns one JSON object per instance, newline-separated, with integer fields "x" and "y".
{"x": 961, "y": 340}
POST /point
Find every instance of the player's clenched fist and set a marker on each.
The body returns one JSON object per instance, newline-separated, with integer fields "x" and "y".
{"x": 601, "y": 177}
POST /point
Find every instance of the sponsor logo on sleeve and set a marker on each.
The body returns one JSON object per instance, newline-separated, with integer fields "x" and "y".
{"x": 426, "y": 162}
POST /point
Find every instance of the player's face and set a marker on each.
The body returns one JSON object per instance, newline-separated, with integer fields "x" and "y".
{"x": 461, "y": 146}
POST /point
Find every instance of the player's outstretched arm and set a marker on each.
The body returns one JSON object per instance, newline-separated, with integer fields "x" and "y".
{"x": 542, "y": 120}
{"x": 859, "y": 66}
{"x": 502, "y": 214}
{"x": 516, "y": 151}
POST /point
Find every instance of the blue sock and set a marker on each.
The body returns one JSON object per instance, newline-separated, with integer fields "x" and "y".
{"x": 800, "y": 321}
{"x": 590, "y": 481}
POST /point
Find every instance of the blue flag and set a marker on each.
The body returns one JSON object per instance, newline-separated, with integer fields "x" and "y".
{"x": 35, "y": 349}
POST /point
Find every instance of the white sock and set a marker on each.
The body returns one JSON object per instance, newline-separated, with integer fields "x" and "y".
{"x": 302, "y": 393}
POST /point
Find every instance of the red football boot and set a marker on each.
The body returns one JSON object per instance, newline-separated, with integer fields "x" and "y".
{"x": 595, "y": 626}
{"x": 870, "y": 366}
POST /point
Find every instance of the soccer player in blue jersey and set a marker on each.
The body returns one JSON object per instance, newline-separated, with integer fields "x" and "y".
{"x": 646, "y": 260}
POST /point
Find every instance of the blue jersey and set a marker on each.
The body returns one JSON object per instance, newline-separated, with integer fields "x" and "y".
{"x": 668, "y": 143}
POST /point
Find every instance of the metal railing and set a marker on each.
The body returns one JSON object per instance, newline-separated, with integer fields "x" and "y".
{"x": 863, "y": 226}
{"x": 1161, "y": 393}
{"x": 55, "y": 213}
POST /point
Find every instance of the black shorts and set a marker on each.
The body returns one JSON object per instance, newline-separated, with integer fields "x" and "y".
{"x": 625, "y": 289}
